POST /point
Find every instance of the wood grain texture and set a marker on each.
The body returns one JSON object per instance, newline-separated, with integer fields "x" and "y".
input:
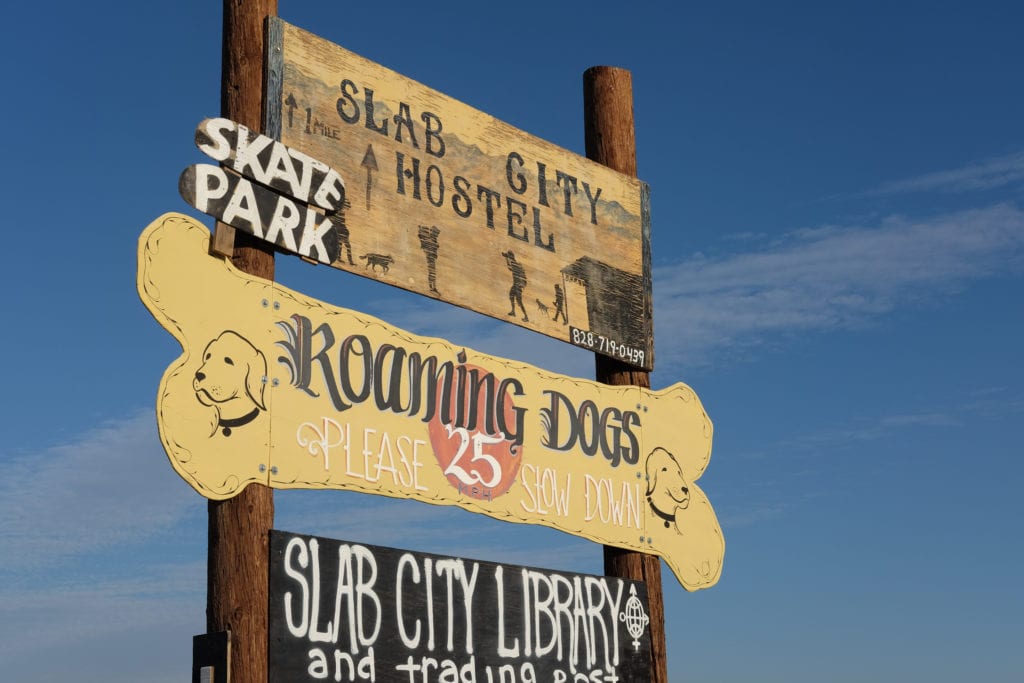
{"x": 611, "y": 140}
{"x": 239, "y": 528}
{"x": 608, "y": 118}
{"x": 237, "y": 577}
{"x": 521, "y": 230}
{"x": 241, "y": 99}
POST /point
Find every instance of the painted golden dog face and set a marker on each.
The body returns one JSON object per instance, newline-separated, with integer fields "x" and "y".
{"x": 232, "y": 372}
{"x": 667, "y": 489}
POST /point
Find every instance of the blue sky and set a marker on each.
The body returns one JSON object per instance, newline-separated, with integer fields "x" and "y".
{"x": 838, "y": 234}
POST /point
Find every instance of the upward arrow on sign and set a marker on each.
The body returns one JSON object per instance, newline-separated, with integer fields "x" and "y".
{"x": 578, "y": 230}
{"x": 370, "y": 164}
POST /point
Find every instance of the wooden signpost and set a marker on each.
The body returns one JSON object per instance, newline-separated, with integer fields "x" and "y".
{"x": 238, "y": 529}
{"x": 370, "y": 172}
{"x": 611, "y": 140}
{"x": 352, "y": 612}
{"x": 278, "y": 389}
{"x": 449, "y": 202}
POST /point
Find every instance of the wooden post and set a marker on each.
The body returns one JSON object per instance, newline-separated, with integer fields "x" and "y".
{"x": 611, "y": 140}
{"x": 238, "y": 552}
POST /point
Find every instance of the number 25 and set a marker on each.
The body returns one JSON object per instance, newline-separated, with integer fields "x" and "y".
{"x": 479, "y": 441}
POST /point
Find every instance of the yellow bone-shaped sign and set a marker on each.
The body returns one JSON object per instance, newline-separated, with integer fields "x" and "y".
{"x": 277, "y": 388}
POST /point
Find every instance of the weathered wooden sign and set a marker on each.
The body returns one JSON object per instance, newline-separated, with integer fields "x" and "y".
{"x": 349, "y": 612}
{"x": 266, "y": 189}
{"x": 278, "y": 388}
{"x": 452, "y": 203}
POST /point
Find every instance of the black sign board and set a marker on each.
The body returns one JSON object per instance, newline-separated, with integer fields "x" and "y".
{"x": 343, "y": 611}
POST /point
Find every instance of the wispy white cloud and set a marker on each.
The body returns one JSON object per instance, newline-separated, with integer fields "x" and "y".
{"x": 861, "y": 429}
{"x": 738, "y": 516}
{"x": 108, "y": 487}
{"x": 48, "y": 630}
{"x": 92, "y": 540}
{"x": 996, "y": 404}
{"x": 760, "y": 490}
{"x": 154, "y": 595}
{"x": 989, "y": 174}
{"x": 830, "y": 278}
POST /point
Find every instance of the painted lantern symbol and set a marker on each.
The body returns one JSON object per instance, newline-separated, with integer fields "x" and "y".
{"x": 635, "y": 617}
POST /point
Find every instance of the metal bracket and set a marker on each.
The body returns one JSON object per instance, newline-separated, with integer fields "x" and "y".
{"x": 211, "y": 657}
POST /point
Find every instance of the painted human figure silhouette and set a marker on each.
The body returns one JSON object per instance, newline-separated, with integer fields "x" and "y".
{"x": 559, "y": 304}
{"x": 429, "y": 244}
{"x": 515, "y": 292}
{"x": 342, "y": 231}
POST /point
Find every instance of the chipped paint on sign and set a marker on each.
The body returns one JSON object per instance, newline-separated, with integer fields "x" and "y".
{"x": 452, "y": 203}
{"x": 276, "y": 388}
